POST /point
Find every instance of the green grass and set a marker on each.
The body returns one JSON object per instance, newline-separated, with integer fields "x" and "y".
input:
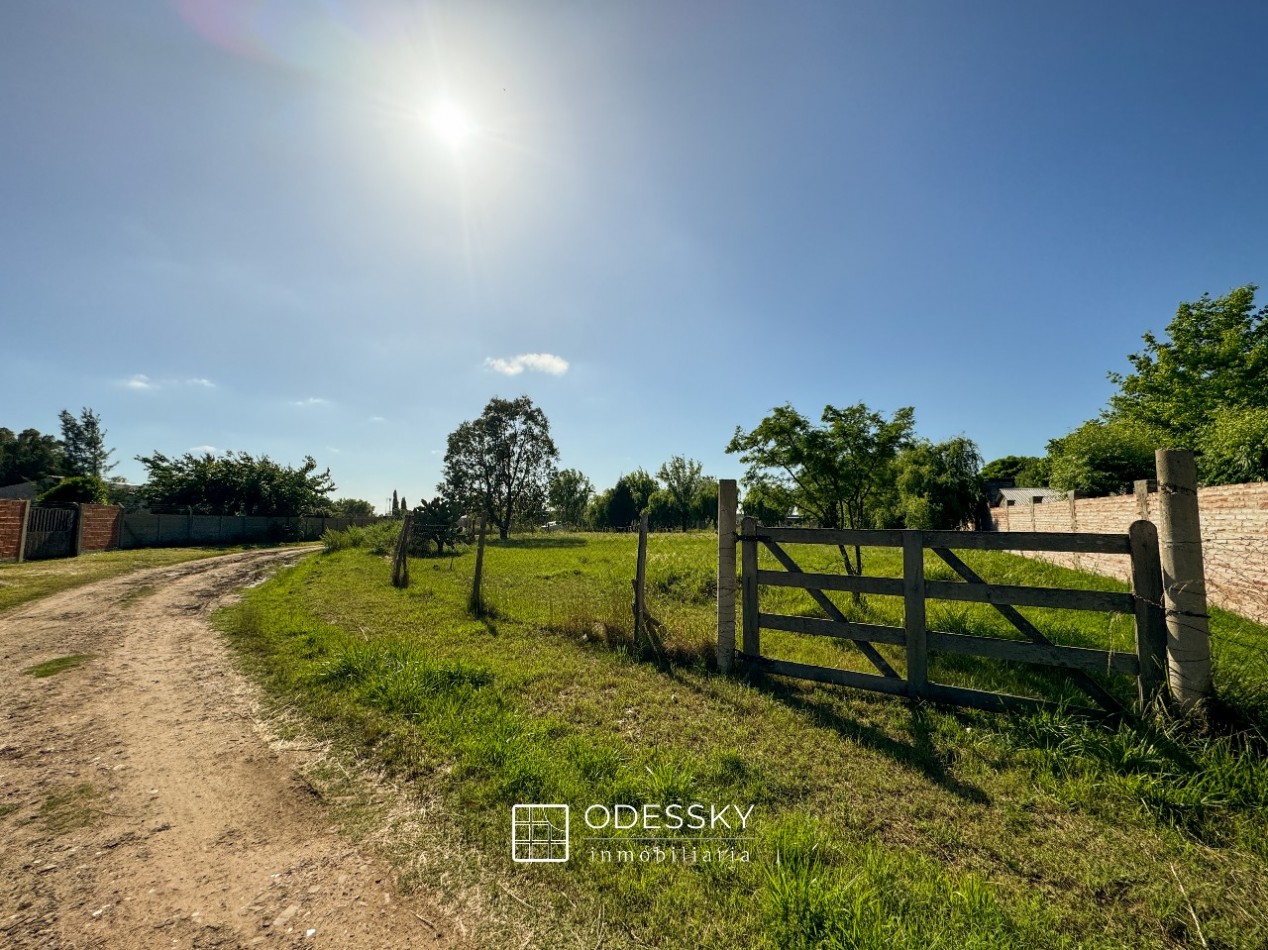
{"x": 69, "y": 808}
{"x": 32, "y": 580}
{"x": 57, "y": 665}
{"x": 875, "y": 823}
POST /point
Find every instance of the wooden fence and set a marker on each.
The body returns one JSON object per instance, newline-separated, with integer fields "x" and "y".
{"x": 1147, "y": 664}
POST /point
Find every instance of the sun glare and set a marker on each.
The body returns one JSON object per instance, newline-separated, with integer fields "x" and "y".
{"x": 451, "y": 124}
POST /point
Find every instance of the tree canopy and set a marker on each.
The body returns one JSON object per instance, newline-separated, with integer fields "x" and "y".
{"x": 569, "y": 494}
{"x": 29, "y": 456}
{"x": 84, "y": 444}
{"x": 939, "y": 484}
{"x": 682, "y": 479}
{"x": 236, "y": 484}
{"x": 501, "y": 462}
{"x": 835, "y": 471}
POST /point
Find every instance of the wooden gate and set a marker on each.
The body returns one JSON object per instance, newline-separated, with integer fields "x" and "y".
{"x": 50, "y": 532}
{"x": 1147, "y": 664}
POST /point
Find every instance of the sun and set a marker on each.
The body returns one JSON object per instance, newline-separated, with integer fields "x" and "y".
{"x": 451, "y": 124}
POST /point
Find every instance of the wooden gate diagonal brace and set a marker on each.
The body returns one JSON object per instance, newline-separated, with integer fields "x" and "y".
{"x": 1031, "y": 632}
{"x": 830, "y": 608}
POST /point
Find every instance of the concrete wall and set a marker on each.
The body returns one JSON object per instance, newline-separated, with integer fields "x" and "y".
{"x": 12, "y": 516}
{"x": 1234, "y": 522}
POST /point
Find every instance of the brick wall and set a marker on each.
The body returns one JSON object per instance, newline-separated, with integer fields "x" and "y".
{"x": 99, "y": 530}
{"x": 12, "y": 513}
{"x": 1234, "y": 522}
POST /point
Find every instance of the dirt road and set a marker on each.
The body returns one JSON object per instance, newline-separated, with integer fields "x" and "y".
{"x": 140, "y": 802}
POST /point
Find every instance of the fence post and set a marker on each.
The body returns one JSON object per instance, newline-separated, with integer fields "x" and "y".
{"x": 1151, "y": 621}
{"x": 728, "y": 500}
{"x": 752, "y": 644}
{"x": 476, "y": 603}
{"x": 640, "y": 578}
{"x": 26, "y": 518}
{"x": 79, "y": 529}
{"x": 1184, "y": 578}
{"x": 914, "y": 614}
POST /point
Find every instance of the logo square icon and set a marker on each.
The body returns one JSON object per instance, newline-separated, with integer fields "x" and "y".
{"x": 539, "y": 833}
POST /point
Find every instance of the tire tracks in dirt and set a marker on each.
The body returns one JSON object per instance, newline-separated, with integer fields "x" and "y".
{"x": 140, "y": 802}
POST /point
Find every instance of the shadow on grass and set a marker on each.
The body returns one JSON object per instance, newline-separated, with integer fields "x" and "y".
{"x": 921, "y": 754}
{"x": 538, "y": 541}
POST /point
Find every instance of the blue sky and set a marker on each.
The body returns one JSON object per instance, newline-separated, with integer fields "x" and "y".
{"x": 238, "y": 225}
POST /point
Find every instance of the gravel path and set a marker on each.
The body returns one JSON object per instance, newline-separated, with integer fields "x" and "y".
{"x": 140, "y": 802}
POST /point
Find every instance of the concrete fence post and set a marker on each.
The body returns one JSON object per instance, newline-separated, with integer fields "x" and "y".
{"x": 1183, "y": 578}
{"x": 22, "y": 529}
{"x": 728, "y": 503}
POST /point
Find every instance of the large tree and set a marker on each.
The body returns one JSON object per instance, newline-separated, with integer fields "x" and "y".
{"x": 569, "y": 493}
{"x": 1101, "y": 457}
{"x": 29, "y": 456}
{"x": 682, "y": 479}
{"x": 236, "y": 484}
{"x": 835, "y": 471}
{"x": 501, "y": 461}
{"x": 1203, "y": 386}
{"x": 939, "y": 484}
{"x": 84, "y": 443}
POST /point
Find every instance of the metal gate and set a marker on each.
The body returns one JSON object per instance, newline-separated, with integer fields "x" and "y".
{"x": 50, "y": 532}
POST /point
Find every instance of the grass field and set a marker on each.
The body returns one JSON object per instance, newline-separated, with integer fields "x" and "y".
{"x": 33, "y": 579}
{"x": 874, "y": 823}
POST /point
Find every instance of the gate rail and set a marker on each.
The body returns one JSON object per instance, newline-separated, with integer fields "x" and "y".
{"x": 1147, "y": 665}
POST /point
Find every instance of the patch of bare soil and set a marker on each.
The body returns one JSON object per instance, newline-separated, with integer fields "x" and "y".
{"x": 140, "y": 802}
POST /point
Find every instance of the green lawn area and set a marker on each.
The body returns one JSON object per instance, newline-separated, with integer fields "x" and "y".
{"x": 874, "y": 823}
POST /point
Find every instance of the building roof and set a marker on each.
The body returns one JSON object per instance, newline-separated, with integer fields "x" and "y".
{"x": 1025, "y": 496}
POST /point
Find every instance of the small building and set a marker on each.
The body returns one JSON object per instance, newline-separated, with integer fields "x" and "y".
{"x": 1026, "y": 496}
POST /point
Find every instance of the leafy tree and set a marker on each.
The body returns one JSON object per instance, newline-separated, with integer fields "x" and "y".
{"x": 84, "y": 444}
{"x": 396, "y": 505}
{"x": 768, "y": 501}
{"x": 81, "y": 488}
{"x": 29, "y": 456}
{"x": 835, "y": 471}
{"x": 622, "y": 508}
{"x": 1215, "y": 358}
{"x": 351, "y": 508}
{"x": 500, "y": 462}
{"x": 682, "y": 478}
{"x": 704, "y": 503}
{"x": 641, "y": 485}
{"x": 1101, "y": 457}
{"x": 436, "y": 521}
{"x": 939, "y": 485}
{"x": 1234, "y": 447}
{"x": 236, "y": 484}
{"x": 569, "y": 493}
{"x": 662, "y": 511}
{"x": 1025, "y": 470}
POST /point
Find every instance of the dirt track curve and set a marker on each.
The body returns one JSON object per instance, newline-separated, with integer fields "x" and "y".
{"x": 140, "y": 802}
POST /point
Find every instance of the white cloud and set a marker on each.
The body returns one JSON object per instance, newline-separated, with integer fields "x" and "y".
{"x": 140, "y": 381}
{"x": 310, "y": 401}
{"x": 201, "y": 449}
{"x": 537, "y": 362}
{"x": 376, "y": 419}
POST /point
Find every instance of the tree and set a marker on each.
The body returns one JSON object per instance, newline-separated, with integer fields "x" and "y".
{"x": 704, "y": 503}
{"x": 768, "y": 501}
{"x": 1029, "y": 471}
{"x": 569, "y": 493}
{"x": 351, "y": 508}
{"x": 939, "y": 485}
{"x": 84, "y": 444}
{"x": 436, "y": 521}
{"x": 236, "y": 484}
{"x": 500, "y": 461}
{"x": 835, "y": 471}
{"x": 1215, "y": 358}
{"x": 641, "y": 485}
{"x": 396, "y": 505}
{"x": 1101, "y": 457}
{"x": 81, "y": 488}
{"x": 682, "y": 478}
{"x": 29, "y": 457}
